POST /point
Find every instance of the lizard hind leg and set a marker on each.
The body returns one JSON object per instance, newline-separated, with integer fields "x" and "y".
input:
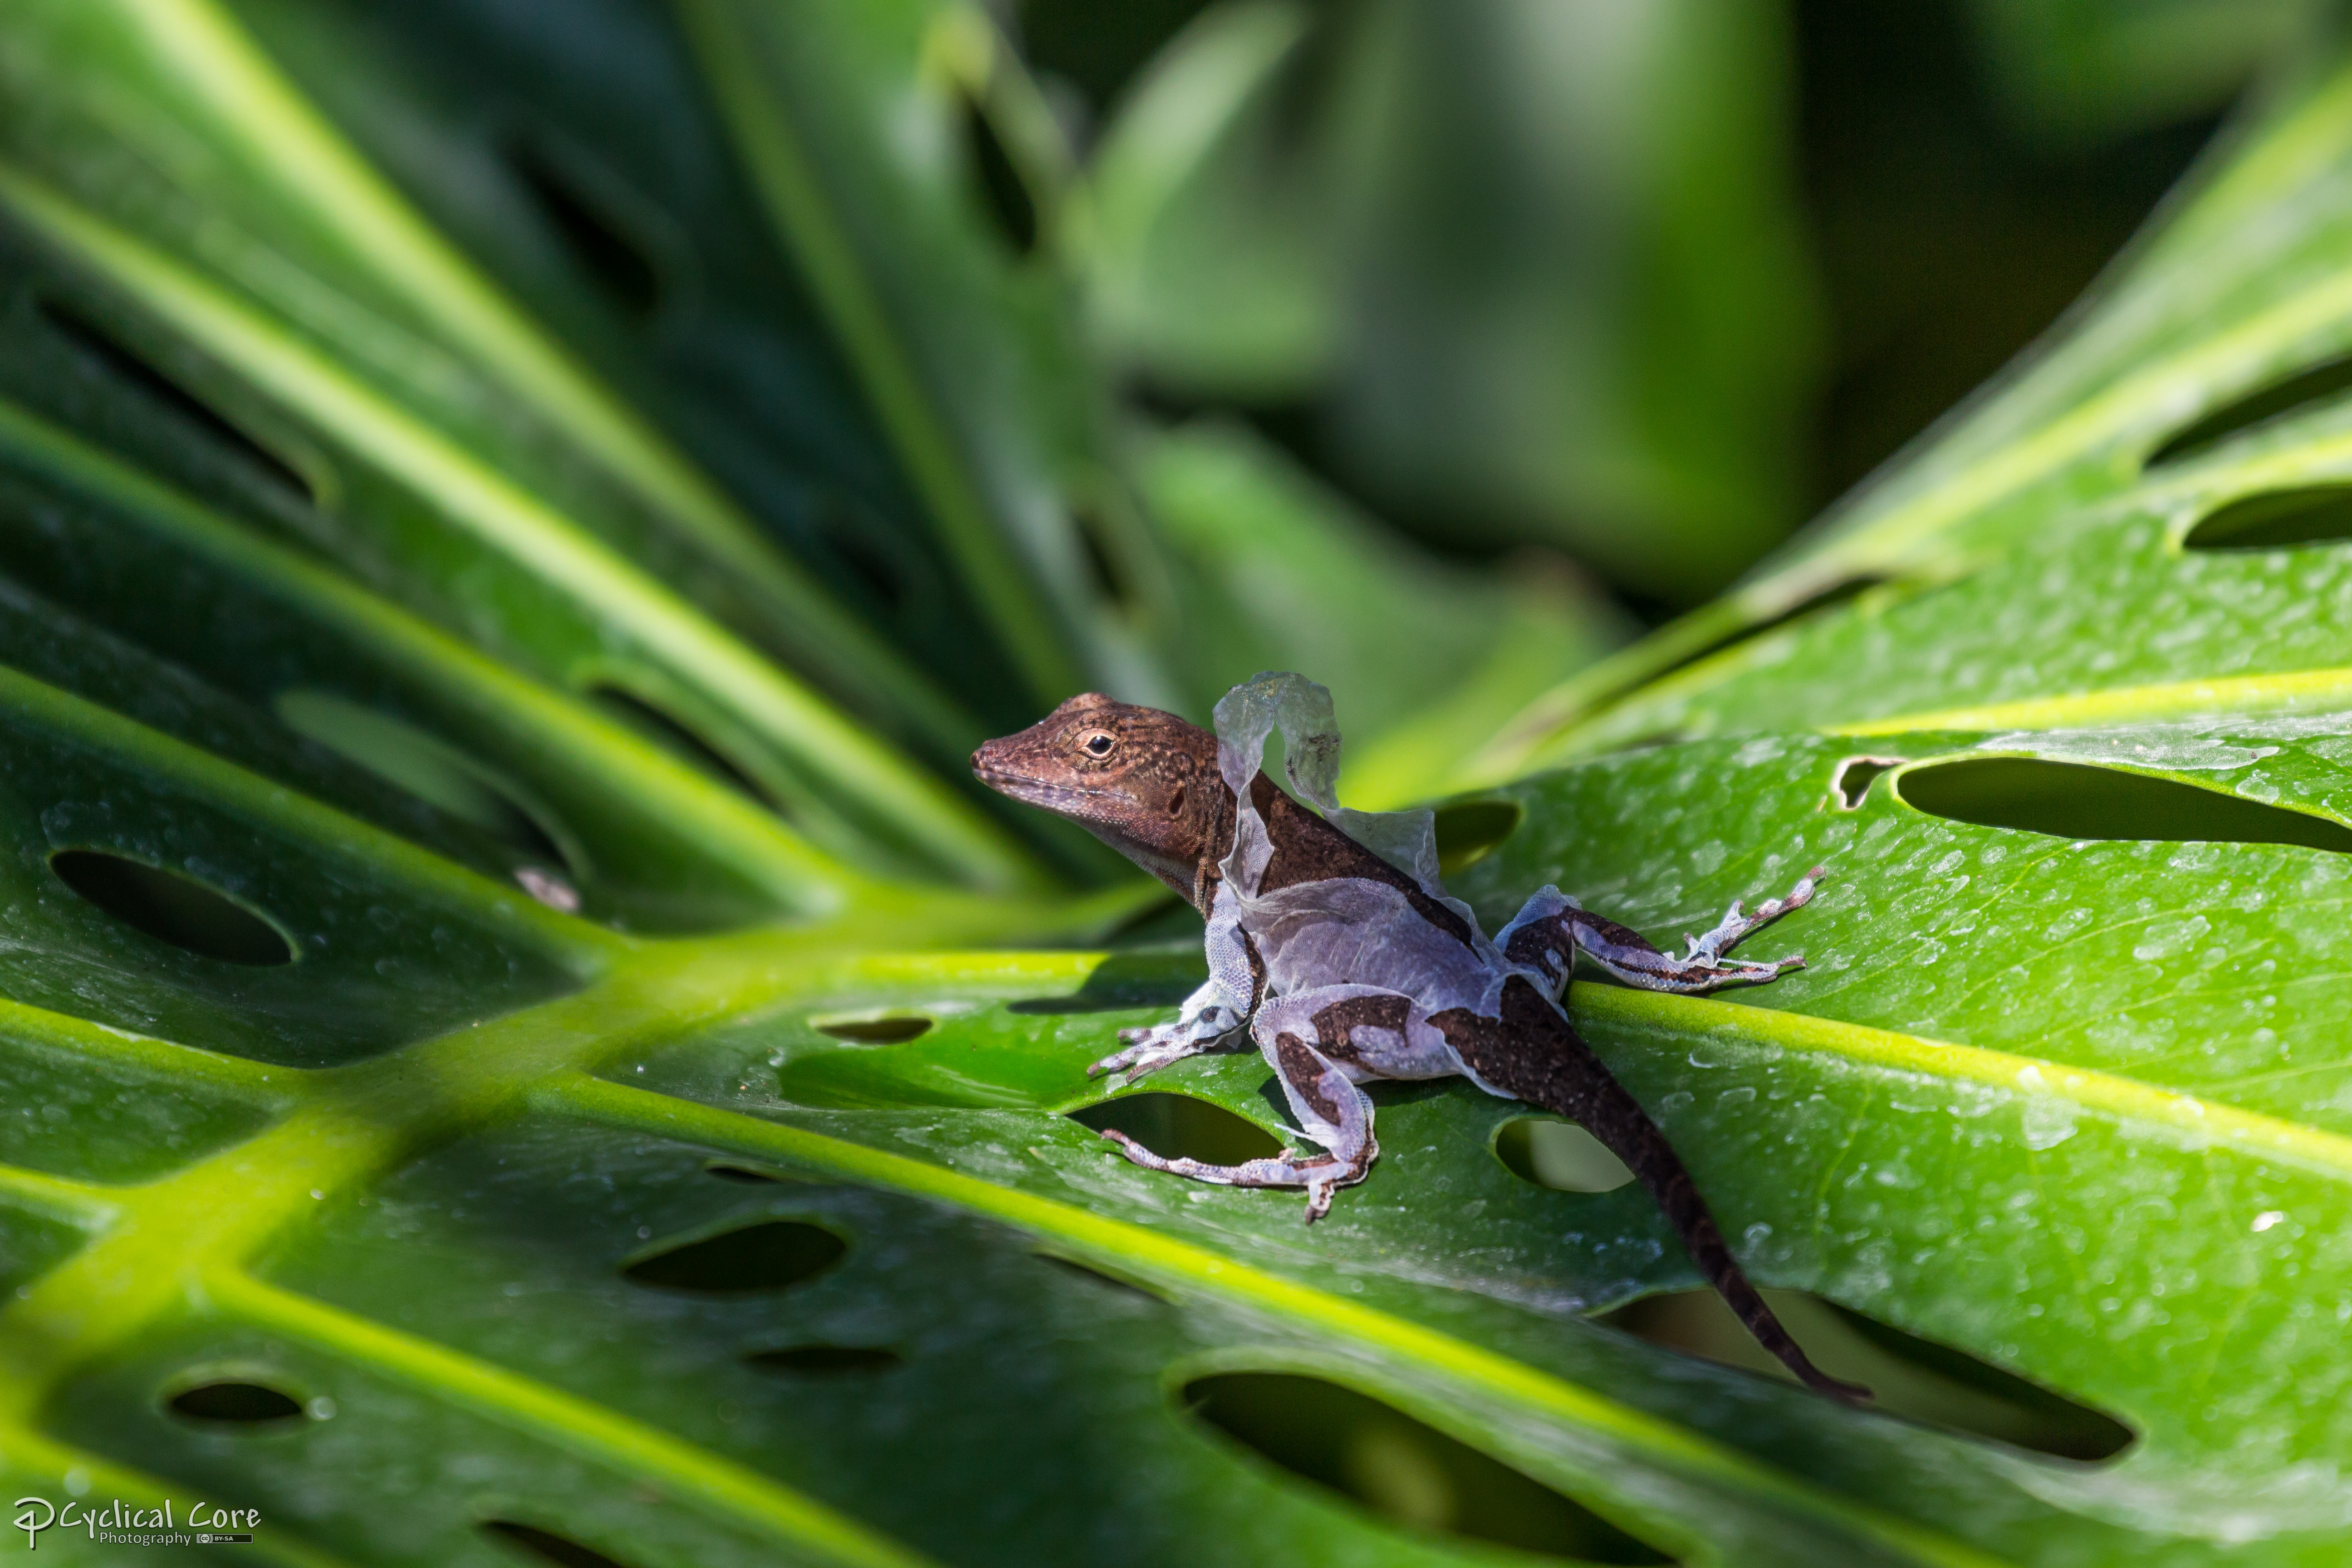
{"x": 1532, "y": 1053}
{"x": 1330, "y": 1111}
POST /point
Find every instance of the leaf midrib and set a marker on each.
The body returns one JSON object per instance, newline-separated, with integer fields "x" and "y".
{"x": 156, "y": 1242}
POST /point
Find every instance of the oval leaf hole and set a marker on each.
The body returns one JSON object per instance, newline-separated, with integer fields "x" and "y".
{"x": 678, "y": 739}
{"x": 747, "y": 1174}
{"x": 825, "y": 1360}
{"x": 2075, "y": 800}
{"x": 423, "y": 766}
{"x": 233, "y": 1402}
{"x": 1005, "y": 194}
{"x": 770, "y": 1255}
{"x": 545, "y": 1546}
{"x": 857, "y": 539}
{"x": 1560, "y": 1155}
{"x": 2320, "y": 383}
{"x": 1825, "y": 598}
{"x": 2276, "y": 520}
{"x": 1468, "y": 830}
{"x": 1402, "y": 1470}
{"x": 128, "y": 364}
{"x": 1177, "y": 1127}
{"x": 618, "y": 266}
{"x": 1911, "y": 1376}
{"x": 895, "y": 1031}
{"x": 172, "y": 908}
{"x": 1857, "y": 774}
{"x": 1095, "y": 1276}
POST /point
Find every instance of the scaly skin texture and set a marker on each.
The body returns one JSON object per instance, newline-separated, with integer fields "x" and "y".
{"x": 1149, "y": 784}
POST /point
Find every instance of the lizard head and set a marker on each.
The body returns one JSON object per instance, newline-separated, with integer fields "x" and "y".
{"x": 1143, "y": 782}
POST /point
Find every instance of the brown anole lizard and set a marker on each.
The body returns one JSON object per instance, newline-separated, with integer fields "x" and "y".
{"x": 1332, "y": 942}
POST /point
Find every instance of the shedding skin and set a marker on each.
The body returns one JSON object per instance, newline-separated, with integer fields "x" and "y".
{"x": 1342, "y": 969}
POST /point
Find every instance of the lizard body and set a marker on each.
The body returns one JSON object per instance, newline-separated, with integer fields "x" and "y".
{"x": 1346, "y": 964}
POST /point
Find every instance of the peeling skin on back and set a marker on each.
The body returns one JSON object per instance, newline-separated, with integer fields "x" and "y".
{"x": 1334, "y": 948}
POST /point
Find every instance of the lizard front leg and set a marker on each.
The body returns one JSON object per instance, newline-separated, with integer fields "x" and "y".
{"x": 1551, "y": 928}
{"x": 1220, "y": 1006}
{"x": 1330, "y": 1111}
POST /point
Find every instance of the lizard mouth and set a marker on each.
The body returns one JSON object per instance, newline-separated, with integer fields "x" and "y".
{"x": 1030, "y": 790}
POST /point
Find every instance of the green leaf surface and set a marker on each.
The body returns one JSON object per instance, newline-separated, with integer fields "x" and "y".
{"x": 472, "y": 1120}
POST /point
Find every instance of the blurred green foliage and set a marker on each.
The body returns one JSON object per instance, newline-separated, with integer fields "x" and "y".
{"x": 1645, "y": 285}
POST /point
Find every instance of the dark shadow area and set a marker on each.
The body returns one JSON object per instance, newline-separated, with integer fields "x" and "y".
{"x": 2278, "y": 520}
{"x": 1857, "y": 774}
{"x": 1179, "y": 1127}
{"x": 1403, "y": 1470}
{"x": 545, "y": 1546}
{"x": 825, "y": 1360}
{"x": 235, "y": 1403}
{"x": 614, "y": 262}
{"x": 172, "y": 908}
{"x": 876, "y": 1031}
{"x": 1949, "y": 236}
{"x": 126, "y": 363}
{"x": 773, "y": 1254}
{"x": 1123, "y": 982}
{"x": 1003, "y": 193}
{"x": 1558, "y": 1154}
{"x": 1913, "y": 1377}
{"x": 2279, "y": 401}
{"x": 1468, "y": 831}
{"x": 2076, "y": 800}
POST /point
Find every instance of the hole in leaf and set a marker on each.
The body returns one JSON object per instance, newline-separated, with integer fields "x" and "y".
{"x": 771, "y": 1255}
{"x": 876, "y": 1031}
{"x": 172, "y": 908}
{"x": 2277, "y": 520}
{"x": 1095, "y": 1276}
{"x": 1836, "y": 594}
{"x": 235, "y": 1403}
{"x": 750, "y": 1175}
{"x": 678, "y": 739}
{"x": 1468, "y": 831}
{"x": 546, "y": 1546}
{"x": 1005, "y": 194}
{"x": 1102, "y": 559}
{"x": 1402, "y": 1468}
{"x": 425, "y": 766}
{"x": 621, "y": 268}
{"x": 1177, "y": 1127}
{"x": 2320, "y": 383}
{"x": 2075, "y": 800}
{"x": 129, "y": 364}
{"x": 857, "y": 537}
{"x": 1855, "y": 776}
{"x": 1910, "y": 1376}
{"x": 825, "y": 1360}
{"x": 1559, "y": 1154}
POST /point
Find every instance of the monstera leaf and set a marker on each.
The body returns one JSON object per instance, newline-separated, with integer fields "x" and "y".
{"x": 521, "y": 1046}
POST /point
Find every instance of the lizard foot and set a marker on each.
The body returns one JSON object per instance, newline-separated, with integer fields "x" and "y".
{"x": 1321, "y": 1174}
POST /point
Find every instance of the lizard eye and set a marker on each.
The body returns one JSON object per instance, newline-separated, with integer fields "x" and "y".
{"x": 1099, "y": 744}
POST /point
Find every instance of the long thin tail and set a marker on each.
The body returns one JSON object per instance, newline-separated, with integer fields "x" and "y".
{"x": 1535, "y": 1055}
